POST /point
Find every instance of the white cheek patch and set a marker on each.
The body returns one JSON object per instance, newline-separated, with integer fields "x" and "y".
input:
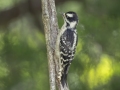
{"x": 73, "y": 24}
{"x": 70, "y": 15}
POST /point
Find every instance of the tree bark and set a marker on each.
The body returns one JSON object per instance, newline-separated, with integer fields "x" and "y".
{"x": 51, "y": 30}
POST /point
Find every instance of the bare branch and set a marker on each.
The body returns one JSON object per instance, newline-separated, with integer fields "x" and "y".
{"x": 51, "y": 30}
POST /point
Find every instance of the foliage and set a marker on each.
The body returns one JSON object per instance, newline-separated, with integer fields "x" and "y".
{"x": 23, "y": 59}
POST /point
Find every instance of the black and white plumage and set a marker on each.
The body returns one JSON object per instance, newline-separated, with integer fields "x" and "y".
{"x": 66, "y": 45}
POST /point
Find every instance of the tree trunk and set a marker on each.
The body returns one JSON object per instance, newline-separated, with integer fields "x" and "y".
{"x": 51, "y": 30}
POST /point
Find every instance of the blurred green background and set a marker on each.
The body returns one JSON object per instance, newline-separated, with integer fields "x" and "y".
{"x": 23, "y": 59}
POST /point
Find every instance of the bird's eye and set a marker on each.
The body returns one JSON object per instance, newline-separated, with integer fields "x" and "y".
{"x": 66, "y": 16}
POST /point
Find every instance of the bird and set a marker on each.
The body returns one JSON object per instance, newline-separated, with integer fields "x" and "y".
{"x": 66, "y": 43}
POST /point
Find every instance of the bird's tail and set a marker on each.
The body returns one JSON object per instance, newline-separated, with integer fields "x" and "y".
{"x": 64, "y": 80}
{"x": 64, "y": 76}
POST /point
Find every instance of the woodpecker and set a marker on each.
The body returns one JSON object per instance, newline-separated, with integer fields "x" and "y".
{"x": 66, "y": 45}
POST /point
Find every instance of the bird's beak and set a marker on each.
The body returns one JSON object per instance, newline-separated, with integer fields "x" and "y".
{"x": 63, "y": 14}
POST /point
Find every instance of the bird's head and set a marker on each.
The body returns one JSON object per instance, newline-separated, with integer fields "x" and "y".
{"x": 71, "y": 19}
